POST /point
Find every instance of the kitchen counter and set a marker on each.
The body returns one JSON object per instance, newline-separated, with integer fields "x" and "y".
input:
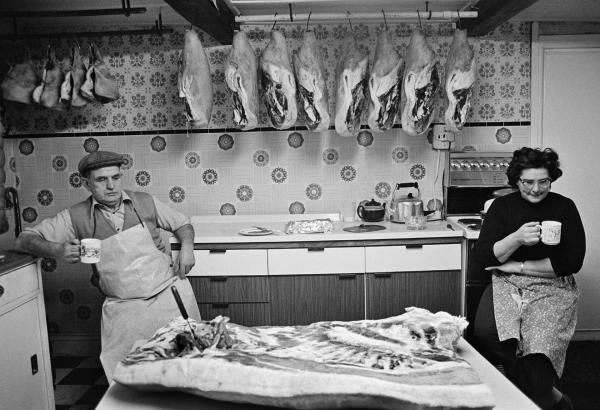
{"x": 225, "y": 230}
{"x": 11, "y": 260}
{"x": 507, "y": 396}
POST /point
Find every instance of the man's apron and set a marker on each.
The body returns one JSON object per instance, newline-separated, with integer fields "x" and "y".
{"x": 541, "y": 313}
{"x": 136, "y": 277}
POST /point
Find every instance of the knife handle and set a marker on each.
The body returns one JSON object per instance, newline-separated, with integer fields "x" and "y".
{"x": 179, "y": 302}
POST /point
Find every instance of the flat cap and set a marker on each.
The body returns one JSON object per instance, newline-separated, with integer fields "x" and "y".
{"x": 100, "y": 159}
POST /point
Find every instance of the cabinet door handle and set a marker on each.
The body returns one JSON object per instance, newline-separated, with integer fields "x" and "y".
{"x": 1, "y": 290}
{"x": 217, "y": 250}
{"x": 315, "y": 249}
{"x": 220, "y": 305}
{"x": 218, "y": 278}
{"x": 383, "y": 275}
{"x": 414, "y": 246}
{"x": 347, "y": 276}
{"x": 34, "y": 364}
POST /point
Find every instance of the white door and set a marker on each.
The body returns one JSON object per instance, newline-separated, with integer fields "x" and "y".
{"x": 566, "y": 117}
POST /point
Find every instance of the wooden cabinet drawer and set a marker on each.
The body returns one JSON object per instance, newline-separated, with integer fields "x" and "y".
{"x": 230, "y": 262}
{"x": 247, "y": 314}
{"x": 316, "y": 261}
{"x": 405, "y": 258}
{"x": 18, "y": 283}
{"x": 228, "y": 289}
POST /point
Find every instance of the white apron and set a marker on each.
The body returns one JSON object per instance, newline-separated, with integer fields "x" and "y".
{"x": 136, "y": 277}
{"x": 541, "y": 313}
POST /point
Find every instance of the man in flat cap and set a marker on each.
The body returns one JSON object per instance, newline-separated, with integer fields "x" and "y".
{"x": 135, "y": 270}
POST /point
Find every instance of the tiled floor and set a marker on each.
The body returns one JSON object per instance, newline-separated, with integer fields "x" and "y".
{"x": 80, "y": 382}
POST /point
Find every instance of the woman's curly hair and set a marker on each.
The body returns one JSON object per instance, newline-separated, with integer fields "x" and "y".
{"x": 526, "y": 158}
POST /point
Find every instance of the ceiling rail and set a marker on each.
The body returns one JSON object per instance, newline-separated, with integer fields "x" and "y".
{"x": 74, "y": 34}
{"x": 72, "y": 13}
{"x": 407, "y": 16}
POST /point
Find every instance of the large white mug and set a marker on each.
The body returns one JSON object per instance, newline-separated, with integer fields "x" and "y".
{"x": 89, "y": 250}
{"x": 551, "y": 232}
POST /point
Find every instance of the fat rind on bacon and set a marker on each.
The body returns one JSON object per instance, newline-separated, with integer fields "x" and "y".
{"x": 241, "y": 72}
{"x": 407, "y": 360}
{"x": 278, "y": 83}
{"x": 351, "y": 85}
{"x": 310, "y": 79}
{"x": 460, "y": 77}
{"x": 420, "y": 85}
{"x": 194, "y": 81}
{"x": 385, "y": 84}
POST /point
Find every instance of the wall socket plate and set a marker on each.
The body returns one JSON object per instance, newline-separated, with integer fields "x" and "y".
{"x": 442, "y": 137}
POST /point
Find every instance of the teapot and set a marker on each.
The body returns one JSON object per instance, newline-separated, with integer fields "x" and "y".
{"x": 371, "y": 211}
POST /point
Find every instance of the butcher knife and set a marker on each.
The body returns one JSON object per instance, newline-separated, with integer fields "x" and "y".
{"x": 184, "y": 314}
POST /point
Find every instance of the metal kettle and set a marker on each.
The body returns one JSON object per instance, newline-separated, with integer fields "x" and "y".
{"x": 403, "y": 206}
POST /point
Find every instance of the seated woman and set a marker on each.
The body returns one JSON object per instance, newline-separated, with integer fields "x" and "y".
{"x": 528, "y": 314}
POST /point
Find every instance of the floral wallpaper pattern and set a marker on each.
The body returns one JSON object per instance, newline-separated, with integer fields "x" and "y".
{"x": 146, "y": 70}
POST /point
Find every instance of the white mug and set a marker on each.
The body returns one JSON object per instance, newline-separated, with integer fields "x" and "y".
{"x": 89, "y": 250}
{"x": 550, "y": 232}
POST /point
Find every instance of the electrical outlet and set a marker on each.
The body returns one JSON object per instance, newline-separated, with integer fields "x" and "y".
{"x": 442, "y": 137}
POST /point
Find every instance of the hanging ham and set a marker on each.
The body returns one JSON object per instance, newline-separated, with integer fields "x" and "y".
{"x": 66, "y": 88}
{"x": 310, "y": 77}
{"x": 460, "y": 77}
{"x": 351, "y": 84}
{"x": 194, "y": 82}
{"x": 48, "y": 92}
{"x": 278, "y": 84}
{"x": 99, "y": 84}
{"x": 78, "y": 72}
{"x": 385, "y": 84}
{"x": 420, "y": 84}
{"x": 241, "y": 76}
{"x": 19, "y": 83}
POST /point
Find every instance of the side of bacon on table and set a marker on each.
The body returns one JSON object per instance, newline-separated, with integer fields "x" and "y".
{"x": 63, "y": 84}
{"x": 407, "y": 361}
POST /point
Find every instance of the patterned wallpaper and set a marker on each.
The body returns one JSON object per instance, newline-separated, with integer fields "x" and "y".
{"x": 224, "y": 171}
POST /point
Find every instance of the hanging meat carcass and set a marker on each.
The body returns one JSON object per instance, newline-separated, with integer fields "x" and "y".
{"x": 278, "y": 83}
{"x": 310, "y": 78}
{"x": 78, "y": 72}
{"x": 351, "y": 84}
{"x": 66, "y": 88}
{"x": 194, "y": 82}
{"x": 385, "y": 84}
{"x": 19, "y": 83}
{"x": 241, "y": 76}
{"x": 48, "y": 92}
{"x": 460, "y": 77}
{"x": 99, "y": 84}
{"x": 420, "y": 85}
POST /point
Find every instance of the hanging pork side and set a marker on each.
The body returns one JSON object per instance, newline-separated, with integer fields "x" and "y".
{"x": 78, "y": 72}
{"x": 351, "y": 84}
{"x": 460, "y": 77}
{"x": 47, "y": 93}
{"x": 241, "y": 76}
{"x": 420, "y": 84}
{"x": 99, "y": 83}
{"x": 194, "y": 82}
{"x": 66, "y": 88}
{"x": 385, "y": 84}
{"x": 310, "y": 78}
{"x": 278, "y": 83}
{"x": 19, "y": 83}
{"x": 3, "y": 219}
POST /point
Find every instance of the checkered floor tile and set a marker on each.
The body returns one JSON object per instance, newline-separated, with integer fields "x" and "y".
{"x": 80, "y": 382}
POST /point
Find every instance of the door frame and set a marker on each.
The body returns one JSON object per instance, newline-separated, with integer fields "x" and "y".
{"x": 540, "y": 46}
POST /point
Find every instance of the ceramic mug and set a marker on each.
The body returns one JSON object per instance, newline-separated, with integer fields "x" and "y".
{"x": 550, "y": 232}
{"x": 89, "y": 250}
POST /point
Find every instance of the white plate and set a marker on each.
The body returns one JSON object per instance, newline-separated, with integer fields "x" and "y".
{"x": 255, "y": 232}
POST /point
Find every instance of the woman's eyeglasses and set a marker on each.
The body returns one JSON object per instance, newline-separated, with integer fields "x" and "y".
{"x": 529, "y": 183}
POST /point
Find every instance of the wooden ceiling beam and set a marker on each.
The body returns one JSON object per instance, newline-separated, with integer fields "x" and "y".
{"x": 217, "y": 21}
{"x": 493, "y": 13}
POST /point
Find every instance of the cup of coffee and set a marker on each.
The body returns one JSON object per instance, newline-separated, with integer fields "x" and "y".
{"x": 89, "y": 250}
{"x": 550, "y": 234}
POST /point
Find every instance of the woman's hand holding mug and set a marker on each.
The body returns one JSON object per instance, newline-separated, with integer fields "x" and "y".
{"x": 528, "y": 234}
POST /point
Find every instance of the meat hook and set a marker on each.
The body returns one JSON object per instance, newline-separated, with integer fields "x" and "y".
{"x": 274, "y": 22}
{"x": 308, "y": 19}
{"x": 384, "y": 19}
